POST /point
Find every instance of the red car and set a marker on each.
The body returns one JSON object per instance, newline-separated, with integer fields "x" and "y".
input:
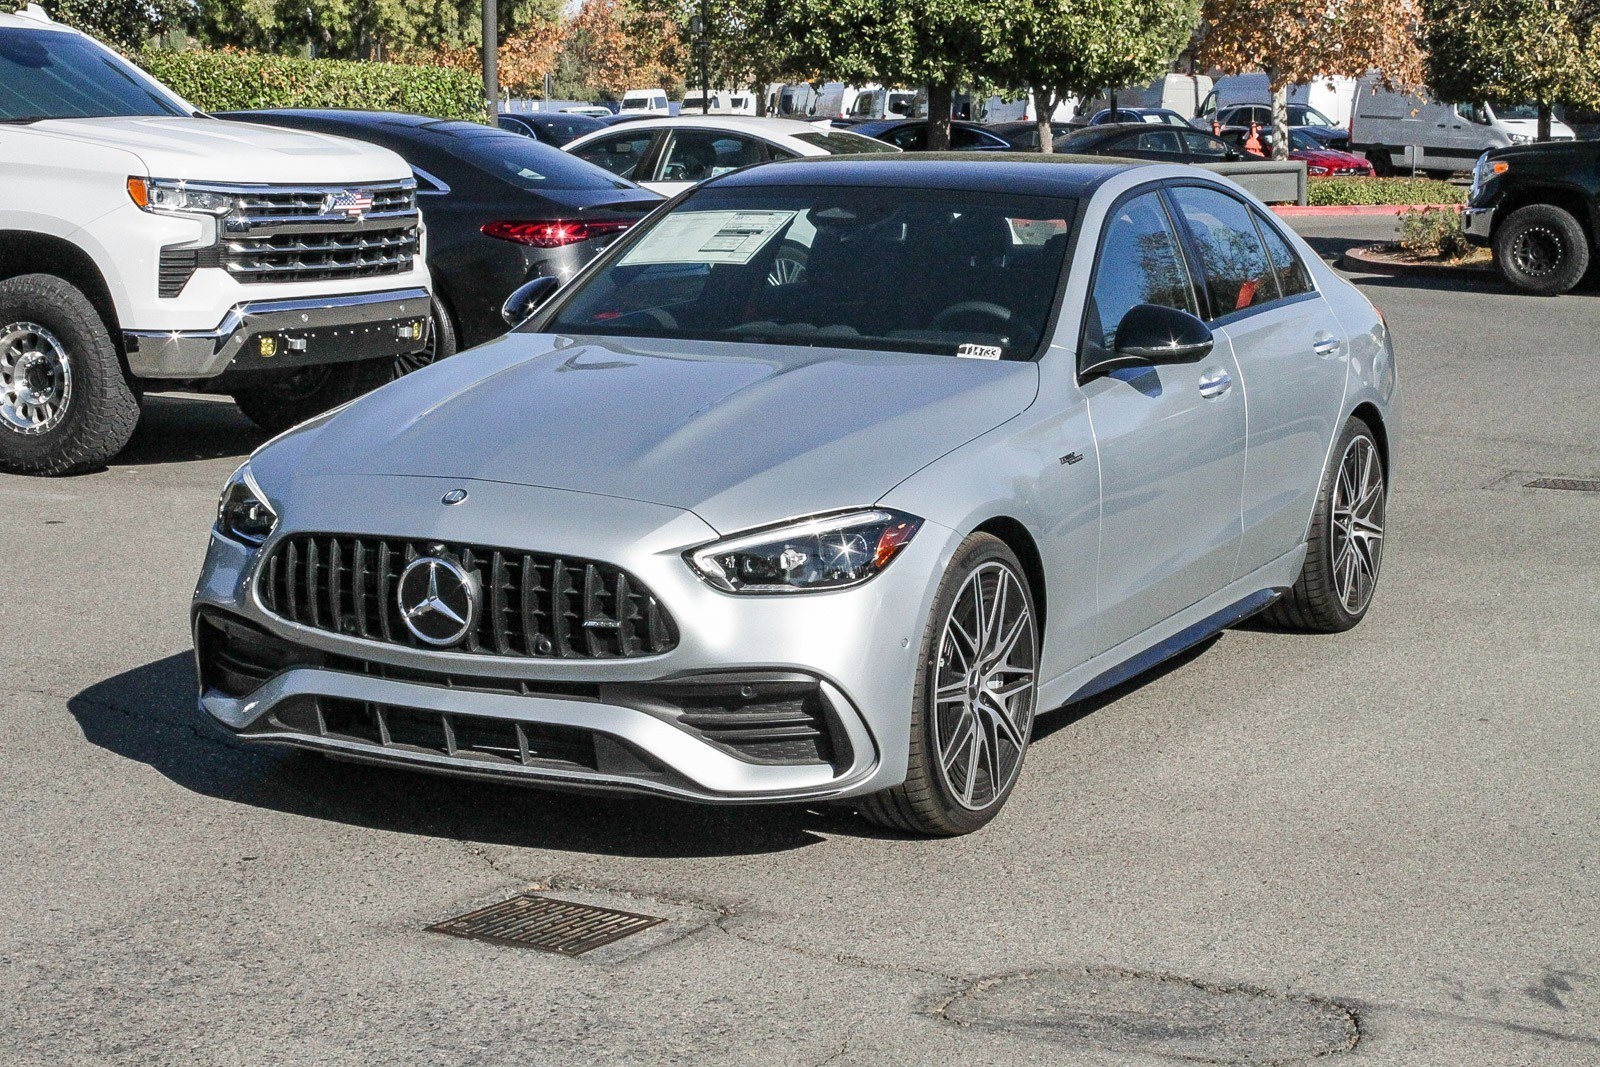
{"x": 1320, "y": 162}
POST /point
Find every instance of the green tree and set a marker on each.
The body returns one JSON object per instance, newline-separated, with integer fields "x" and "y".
{"x": 941, "y": 44}
{"x": 746, "y": 44}
{"x": 1293, "y": 42}
{"x": 123, "y": 24}
{"x": 361, "y": 29}
{"x": 1059, "y": 50}
{"x": 1512, "y": 51}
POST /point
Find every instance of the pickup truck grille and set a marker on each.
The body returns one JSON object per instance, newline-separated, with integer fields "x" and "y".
{"x": 316, "y": 233}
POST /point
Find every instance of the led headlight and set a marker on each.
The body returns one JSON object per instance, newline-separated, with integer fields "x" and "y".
{"x": 1523, "y": 138}
{"x": 177, "y": 198}
{"x": 830, "y": 552}
{"x": 243, "y": 513}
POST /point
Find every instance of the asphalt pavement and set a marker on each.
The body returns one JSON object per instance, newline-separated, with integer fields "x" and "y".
{"x": 1381, "y": 846}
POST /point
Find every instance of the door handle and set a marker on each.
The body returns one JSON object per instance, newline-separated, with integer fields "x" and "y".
{"x": 1326, "y": 347}
{"x": 1215, "y": 383}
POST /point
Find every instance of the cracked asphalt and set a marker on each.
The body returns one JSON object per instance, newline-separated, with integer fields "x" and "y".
{"x": 1274, "y": 848}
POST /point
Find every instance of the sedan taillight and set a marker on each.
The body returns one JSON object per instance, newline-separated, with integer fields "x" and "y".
{"x": 553, "y": 234}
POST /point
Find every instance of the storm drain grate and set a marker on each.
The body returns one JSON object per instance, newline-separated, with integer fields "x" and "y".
{"x": 1575, "y": 485}
{"x": 560, "y": 926}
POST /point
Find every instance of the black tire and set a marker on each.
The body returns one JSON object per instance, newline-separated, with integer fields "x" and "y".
{"x": 1315, "y": 603}
{"x": 294, "y": 397}
{"x": 925, "y": 802}
{"x": 1382, "y": 163}
{"x": 442, "y": 342}
{"x": 1541, "y": 249}
{"x": 54, "y": 340}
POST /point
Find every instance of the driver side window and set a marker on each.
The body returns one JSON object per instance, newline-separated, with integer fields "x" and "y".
{"x": 1139, "y": 263}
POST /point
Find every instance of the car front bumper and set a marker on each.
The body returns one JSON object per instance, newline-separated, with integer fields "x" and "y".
{"x": 1477, "y": 223}
{"x": 635, "y": 724}
{"x": 284, "y": 334}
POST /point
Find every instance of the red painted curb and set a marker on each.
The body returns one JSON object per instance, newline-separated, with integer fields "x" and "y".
{"x": 1357, "y": 209}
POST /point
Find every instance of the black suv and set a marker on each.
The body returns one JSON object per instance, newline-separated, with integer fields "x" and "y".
{"x": 1538, "y": 207}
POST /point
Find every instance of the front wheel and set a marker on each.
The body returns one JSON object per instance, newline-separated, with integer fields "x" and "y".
{"x": 1344, "y": 550}
{"x": 1541, "y": 249}
{"x": 973, "y": 706}
{"x": 299, "y": 395}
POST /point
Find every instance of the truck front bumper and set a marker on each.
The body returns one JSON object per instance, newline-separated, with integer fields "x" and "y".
{"x": 1477, "y": 224}
{"x": 285, "y": 334}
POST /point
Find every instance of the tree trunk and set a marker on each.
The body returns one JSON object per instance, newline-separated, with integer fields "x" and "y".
{"x": 1544, "y": 122}
{"x": 1044, "y": 109}
{"x": 939, "y": 98}
{"x": 1280, "y": 122}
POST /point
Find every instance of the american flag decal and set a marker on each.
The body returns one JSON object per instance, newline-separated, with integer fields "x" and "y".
{"x": 351, "y": 202}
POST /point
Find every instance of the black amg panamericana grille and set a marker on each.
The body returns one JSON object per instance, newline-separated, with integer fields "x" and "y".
{"x": 533, "y": 604}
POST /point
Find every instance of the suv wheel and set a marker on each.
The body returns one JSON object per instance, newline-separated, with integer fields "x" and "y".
{"x": 1541, "y": 249}
{"x": 65, "y": 404}
{"x": 972, "y": 711}
{"x": 299, "y": 395}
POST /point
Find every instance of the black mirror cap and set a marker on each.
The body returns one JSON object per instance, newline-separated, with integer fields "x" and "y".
{"x": 1151, "y": 335}
{"x": 526, "y": 299}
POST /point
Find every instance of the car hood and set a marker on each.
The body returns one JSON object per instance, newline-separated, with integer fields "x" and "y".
{"x": 207, "y": 149}
{"x": 1328, "y": 157}
{"x": 740, "y": 435}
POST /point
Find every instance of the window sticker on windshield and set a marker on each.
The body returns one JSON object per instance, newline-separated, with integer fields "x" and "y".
{"x": 708, "y": 237}
{"x": 978, "y": 351}
{"x": 1035, "y": 232}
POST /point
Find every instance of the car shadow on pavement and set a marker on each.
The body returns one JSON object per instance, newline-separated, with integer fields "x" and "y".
{"x": 182, "y": 429}
{"x": 1050, "y": 722}
{"x": 148, "y": 714}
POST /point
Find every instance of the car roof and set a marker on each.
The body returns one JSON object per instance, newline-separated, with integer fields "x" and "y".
{"x": 28, "y": 22}
{"x": 1026, "y": 173}
{"x": 731, "y": 123}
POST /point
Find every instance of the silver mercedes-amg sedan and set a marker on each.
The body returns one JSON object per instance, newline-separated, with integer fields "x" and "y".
{"x": 819, "y": 484}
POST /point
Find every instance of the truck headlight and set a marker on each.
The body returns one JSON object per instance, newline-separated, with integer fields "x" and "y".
{"x": 830, "y": 552}
{"x": 243, "y": 513}
{"x": 169, "y": 197}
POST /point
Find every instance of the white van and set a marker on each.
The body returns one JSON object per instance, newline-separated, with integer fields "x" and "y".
{"x": 1183, "y": 93}
{"x": 881, "y": 102}
{"x": 723, "y": 102}
{"x": 645, "y": 102}
{"x": 1404, "y": 131}
{"x": 1021, "y": 109}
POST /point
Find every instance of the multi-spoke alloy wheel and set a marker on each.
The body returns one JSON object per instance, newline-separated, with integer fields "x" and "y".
{"x": 1356, "y": 525}
{"x": 35, "y": 379}
{"x": 1344, "y": 547}
{"x": 972, "y": 710}
{"x": 983, "y": 700}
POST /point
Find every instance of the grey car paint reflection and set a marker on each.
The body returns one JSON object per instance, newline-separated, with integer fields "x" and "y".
{"x": 632, "y": 452}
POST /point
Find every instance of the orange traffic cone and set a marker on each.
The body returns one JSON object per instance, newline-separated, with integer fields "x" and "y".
{"x": 1252, "y": 143}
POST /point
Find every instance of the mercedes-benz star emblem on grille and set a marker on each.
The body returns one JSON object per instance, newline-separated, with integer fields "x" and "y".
{"x": 438, "y": 600}
{"x": 352, "y": 203}
{"x": 454, "y": 496}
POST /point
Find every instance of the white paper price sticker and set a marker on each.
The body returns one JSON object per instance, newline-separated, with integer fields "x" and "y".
{"x": 708, "y": 237}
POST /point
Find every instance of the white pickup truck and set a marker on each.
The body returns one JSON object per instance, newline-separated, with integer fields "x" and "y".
{"x": 146, "y": 247}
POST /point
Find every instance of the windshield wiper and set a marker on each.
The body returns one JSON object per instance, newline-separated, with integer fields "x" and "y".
{"x": 22, "y": 122}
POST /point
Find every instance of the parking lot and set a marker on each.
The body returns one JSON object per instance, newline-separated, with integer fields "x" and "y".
{"x": 1381, "y": 844}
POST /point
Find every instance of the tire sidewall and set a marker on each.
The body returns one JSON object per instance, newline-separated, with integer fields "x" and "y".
{"x": 973, "y": 553}
{"x": 1354, "y": 429}
{"x": 1574, "y": 260}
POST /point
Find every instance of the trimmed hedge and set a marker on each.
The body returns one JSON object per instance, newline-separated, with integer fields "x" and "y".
{"x": 234, "y": 81}
{"x": 1343, "y": 192}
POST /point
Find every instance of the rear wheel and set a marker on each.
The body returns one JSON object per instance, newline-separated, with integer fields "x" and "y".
{"x": 1382, "y": 163}
{"x": 1541, "y": 249}
{"x": 65, "y": 404}
{"x": 1345, "y": 548}
{"x": 973, "y": 707}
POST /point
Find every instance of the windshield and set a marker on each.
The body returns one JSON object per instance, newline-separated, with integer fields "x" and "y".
{"x": 520, "y": 160}
{"x": 907, "y": 270}
{"x": 47, "y": 74}
{"x": 1309, "y": 116}
{"x": 838, "y": 144}
{"x": 1518, "y": 111}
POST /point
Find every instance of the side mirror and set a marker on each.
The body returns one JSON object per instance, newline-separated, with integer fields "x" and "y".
{"x": 1151, "y": 335}
{"x": 527, "y": 298}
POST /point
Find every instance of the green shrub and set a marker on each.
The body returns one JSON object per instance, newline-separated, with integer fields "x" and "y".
{"x": 1331, "y": 192}
{"x": 1433, "y": 233}
{"x": 231, "y": 81}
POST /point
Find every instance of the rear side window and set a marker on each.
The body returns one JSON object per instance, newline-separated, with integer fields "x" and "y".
{"x": 1139, "y": 264}
{"x": 1203, "y": 145}
{"x": 1287, "y": 267}
{"x": 840, "y": 143}
{"x": 1237, "y": 274}
{"x": 522, "y": 161}
{"x": 620, "y": 155}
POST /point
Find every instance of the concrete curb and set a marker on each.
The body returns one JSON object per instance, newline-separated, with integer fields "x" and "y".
{"x": 1291, "y": 210}
{"x": 1360, "y": 260}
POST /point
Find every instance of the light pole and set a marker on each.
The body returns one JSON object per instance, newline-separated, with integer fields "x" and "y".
{"x": 491, "y": 56}
{"x": 700, "y": 30}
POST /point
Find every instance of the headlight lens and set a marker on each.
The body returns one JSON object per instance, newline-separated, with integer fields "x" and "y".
{"x": 243, "y": 513}
{"x": 177, "y": 198}
{"x": 1523, "y": 138}
{"x": 831, "y": 552}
